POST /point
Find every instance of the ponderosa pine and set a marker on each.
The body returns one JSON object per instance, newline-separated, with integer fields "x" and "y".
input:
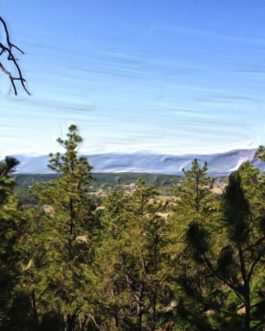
{"x": 65, "y": 239}
{"x": 226, "y": 293}
{"x": 134, "y": 262}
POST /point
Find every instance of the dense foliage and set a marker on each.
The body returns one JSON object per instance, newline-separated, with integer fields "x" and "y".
{"x": 134, "y": 260}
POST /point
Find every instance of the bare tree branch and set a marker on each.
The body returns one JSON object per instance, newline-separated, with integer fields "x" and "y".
{"x": 6, "y": 48}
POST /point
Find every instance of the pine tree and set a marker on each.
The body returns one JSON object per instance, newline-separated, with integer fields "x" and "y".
{"x": 227, "y": 291}
{"x": 132, "y": 253}
{"x": 7, "y": 182}
{"x": 64, "y": 237}
{"x": 11, "y": 228}
{"x": 194, "y": 194}
{"x": 194, "y": 201}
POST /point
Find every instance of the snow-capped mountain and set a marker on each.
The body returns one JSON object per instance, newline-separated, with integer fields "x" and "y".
{"x": 218, "y": 164}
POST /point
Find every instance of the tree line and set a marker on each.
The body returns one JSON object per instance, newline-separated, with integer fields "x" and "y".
{"x": 133, "y": 261}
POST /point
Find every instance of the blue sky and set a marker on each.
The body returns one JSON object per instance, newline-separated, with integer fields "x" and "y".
{"x": 167, "y": 76}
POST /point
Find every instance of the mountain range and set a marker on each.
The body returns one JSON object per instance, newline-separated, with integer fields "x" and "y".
{"x": 218, "y": 164}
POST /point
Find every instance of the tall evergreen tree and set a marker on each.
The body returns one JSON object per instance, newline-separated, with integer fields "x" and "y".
{"x": 194, "y": 200}
{"x": 10, "y": 232}
{"x": 132, "y": 253}
{"x": 194, "y": 195}
{"x": 227, "y": 291}
{"x": 64, "y": 238}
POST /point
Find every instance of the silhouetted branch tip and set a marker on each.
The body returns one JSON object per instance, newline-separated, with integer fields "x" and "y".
{"x": 6, "y": 47}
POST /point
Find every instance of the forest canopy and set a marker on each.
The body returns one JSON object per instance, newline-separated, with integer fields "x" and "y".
{"x": 131, "y": 260}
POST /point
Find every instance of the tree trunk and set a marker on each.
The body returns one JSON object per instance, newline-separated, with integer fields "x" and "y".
{"x": 70, "y": 323}
{"x": 139, "y": 318}
{"x": 247, "y": 309}
{"x": 139, "y": 312}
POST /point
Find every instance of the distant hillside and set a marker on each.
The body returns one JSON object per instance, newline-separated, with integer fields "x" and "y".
{"x": 218, "y": 164}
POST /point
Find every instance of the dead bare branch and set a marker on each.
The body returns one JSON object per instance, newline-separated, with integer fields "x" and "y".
{"x": 6, "y": 48}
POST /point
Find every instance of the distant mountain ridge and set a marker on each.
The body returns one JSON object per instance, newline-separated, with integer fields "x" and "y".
{"x": 218, "y": 164}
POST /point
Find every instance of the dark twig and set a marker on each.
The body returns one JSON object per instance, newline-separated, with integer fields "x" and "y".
{"x": 7, "y": 48}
